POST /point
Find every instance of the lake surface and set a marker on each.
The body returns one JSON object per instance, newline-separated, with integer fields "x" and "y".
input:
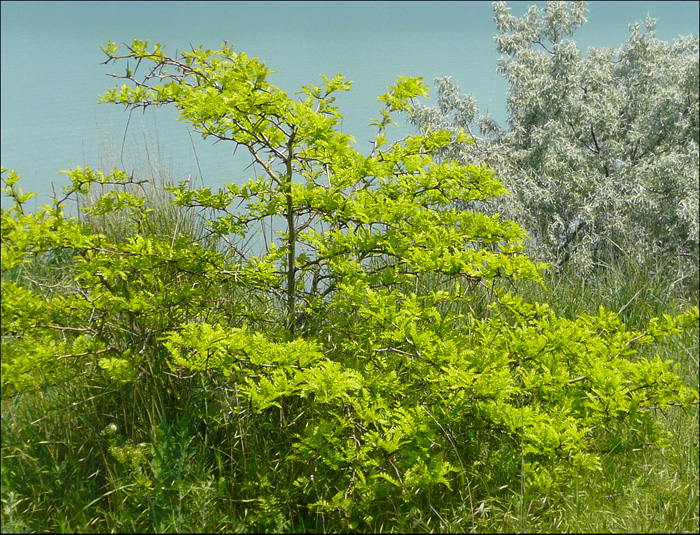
{"x": 52, "y": 73}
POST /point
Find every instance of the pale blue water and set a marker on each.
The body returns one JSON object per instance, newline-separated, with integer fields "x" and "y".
{"x": 51, "y": 72}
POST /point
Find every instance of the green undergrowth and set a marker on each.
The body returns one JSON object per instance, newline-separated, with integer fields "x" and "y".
{"x": 86, "y": 456}
{"x": 385, "y": 362}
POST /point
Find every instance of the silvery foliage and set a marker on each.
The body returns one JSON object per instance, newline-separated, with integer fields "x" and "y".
{"x": 601, "y": 152}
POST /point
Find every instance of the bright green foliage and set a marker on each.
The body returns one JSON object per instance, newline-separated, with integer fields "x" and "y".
{"x": 371, "y": 384}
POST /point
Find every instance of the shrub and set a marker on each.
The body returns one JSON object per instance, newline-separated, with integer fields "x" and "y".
{"x": 384, "y": 362}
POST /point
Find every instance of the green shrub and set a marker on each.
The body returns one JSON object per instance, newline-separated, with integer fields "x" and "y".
{"x": 381, "y": 374}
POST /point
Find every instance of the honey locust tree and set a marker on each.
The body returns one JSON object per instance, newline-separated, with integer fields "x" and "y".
{"x": 374, "y": 370}
{"x": 600, "y": 151}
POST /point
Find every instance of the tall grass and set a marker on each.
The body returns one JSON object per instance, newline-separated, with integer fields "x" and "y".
{"x": 163, "y": 220}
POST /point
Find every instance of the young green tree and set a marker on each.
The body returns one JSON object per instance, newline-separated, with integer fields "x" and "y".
{"x": 381, "y": 385}
{"x": 329, "y": 200}
{"x": 600, "y": 153}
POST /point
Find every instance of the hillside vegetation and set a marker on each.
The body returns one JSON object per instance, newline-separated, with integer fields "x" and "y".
{"x": 343, "y": 342}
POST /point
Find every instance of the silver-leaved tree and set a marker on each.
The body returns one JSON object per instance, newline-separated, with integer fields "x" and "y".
{"x": 600, "y": 153}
